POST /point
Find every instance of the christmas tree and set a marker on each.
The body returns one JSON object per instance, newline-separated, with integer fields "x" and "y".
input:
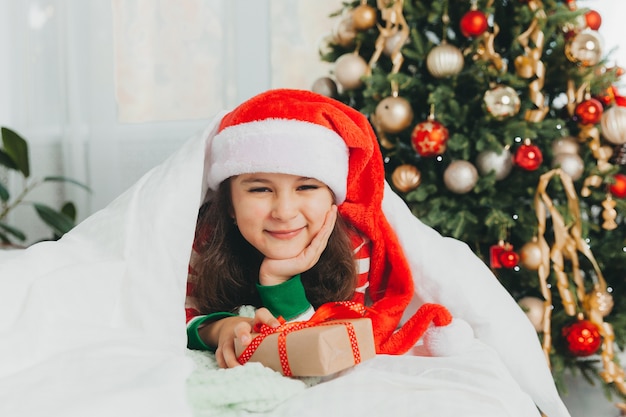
{"x": 501, "y": 125}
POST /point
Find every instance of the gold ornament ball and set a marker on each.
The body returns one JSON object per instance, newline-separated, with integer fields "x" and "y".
{"x": 570, "y": 163}
{"x": 325, "y": 86}
{"x": 394, "y": 114}
{"x": 460, "y": 177}
{"x": 613, "y": 124}
{"x": 565, "y": 145}
{"x": 364, "y": 17}
{"x": 501, "y": 163}
{"x": 444, "y": 60}
{"x": 534, "y": 309}
{"x": 349, "y": 68}
{"x": 531, "y": 256}
{"x": 406, "y": 178}
{"x": 585, "y": 48}
{"x": 600, "y": 301}
{"x": 502, "y": 101}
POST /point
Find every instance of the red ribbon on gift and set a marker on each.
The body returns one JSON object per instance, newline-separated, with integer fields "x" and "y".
{"x": 326, "y": 315}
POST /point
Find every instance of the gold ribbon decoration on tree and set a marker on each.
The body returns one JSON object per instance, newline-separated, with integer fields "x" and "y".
{"x": 568, "y": 242}
{"x": 395, "y": 28}
{"x": 529, "y": 64}
{"x": 602, "y": 153}
{"x": 485, "y": 50}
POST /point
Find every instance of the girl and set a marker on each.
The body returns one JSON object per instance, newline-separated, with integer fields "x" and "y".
{"x": 299, "y": 214}
{"x": 270, "y": 235}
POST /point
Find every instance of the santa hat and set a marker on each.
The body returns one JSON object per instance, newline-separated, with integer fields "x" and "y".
{"x": 303, "y": 133}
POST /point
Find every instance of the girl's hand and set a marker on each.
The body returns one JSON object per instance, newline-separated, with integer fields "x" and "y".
{"x": 277, "y": 271}
{"x": 226, "y": 330}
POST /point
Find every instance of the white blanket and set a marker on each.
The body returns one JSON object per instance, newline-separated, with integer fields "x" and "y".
{"x": 94, "y": 325}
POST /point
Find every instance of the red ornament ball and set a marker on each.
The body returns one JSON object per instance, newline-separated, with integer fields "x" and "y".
{"x": 473, "y": 23}
{"x": 509, "y": 259}
{"x": 593, "y": 19}
{"x": 429, "y": 138}
{"x": 620, "y": 101}
{"x": 589, "y": 112}
{"x": 528, "y": 157}
{"x": 618, "y": 189}
{"x": 582, "y": 338}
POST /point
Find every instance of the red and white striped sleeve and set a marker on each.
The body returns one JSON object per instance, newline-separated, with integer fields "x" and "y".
{"x": 361, "y": 248}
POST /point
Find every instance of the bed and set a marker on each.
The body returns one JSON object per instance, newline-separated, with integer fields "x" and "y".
{"x": 94, "y": 325}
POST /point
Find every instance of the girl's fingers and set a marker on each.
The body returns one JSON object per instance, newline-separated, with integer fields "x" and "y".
{"x": 242, "y": 332}
{"x": 264, "y": 316}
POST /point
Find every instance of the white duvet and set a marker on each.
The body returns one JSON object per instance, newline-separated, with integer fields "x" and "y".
{"x": 94, "y": 325}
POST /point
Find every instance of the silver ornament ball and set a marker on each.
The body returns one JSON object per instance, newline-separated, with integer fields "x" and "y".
{"x": 534, "y": 309}
{"x": 613, "y": 123}
{"x": 460, "y": 177}
{"x": 566, "y": 145}
{"x": 572, "y": 164}
{"x": 501, "y": 163}
{"x": 325, "y": 86}
{"x": 444, "y": 60}
{"x": 349, "y": 68}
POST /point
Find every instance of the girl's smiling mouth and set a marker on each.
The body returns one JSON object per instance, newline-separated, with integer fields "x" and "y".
{"x": 284, "y": 234}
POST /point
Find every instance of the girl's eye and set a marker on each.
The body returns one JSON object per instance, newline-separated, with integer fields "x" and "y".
{"x": 259, "y": 190}
{"x": 308, "y": 187}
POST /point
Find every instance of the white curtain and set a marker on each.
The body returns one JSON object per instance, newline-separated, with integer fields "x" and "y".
{"x": 105, "y": 89}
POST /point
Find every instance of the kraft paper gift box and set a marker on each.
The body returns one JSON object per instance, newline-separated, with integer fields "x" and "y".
{"x": 320, "y": 350}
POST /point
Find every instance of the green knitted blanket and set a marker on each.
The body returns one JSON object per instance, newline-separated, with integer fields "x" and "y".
{"x": 248, "y": 389}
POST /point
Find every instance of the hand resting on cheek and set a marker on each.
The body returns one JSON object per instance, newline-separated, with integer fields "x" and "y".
{"x": 277, "y": 271}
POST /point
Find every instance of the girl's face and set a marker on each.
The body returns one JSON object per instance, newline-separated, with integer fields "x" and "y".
{"x": 279, "y": 214}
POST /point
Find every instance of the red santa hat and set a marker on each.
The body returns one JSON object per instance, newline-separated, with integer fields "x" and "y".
{"x": 303, "y": 133}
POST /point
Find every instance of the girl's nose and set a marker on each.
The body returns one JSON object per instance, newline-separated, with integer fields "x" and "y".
{"x": 285, "y": 207}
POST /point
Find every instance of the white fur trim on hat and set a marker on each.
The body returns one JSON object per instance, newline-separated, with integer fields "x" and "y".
{"x": 280, "y": 146}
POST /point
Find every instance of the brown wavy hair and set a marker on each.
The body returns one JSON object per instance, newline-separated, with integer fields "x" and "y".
{"x": 228, "y": 266}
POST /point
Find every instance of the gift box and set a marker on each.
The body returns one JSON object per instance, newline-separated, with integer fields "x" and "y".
{"x": 298, "y": 349}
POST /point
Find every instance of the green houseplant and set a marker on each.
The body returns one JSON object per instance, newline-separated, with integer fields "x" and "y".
{"x": 14, "y": 157}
